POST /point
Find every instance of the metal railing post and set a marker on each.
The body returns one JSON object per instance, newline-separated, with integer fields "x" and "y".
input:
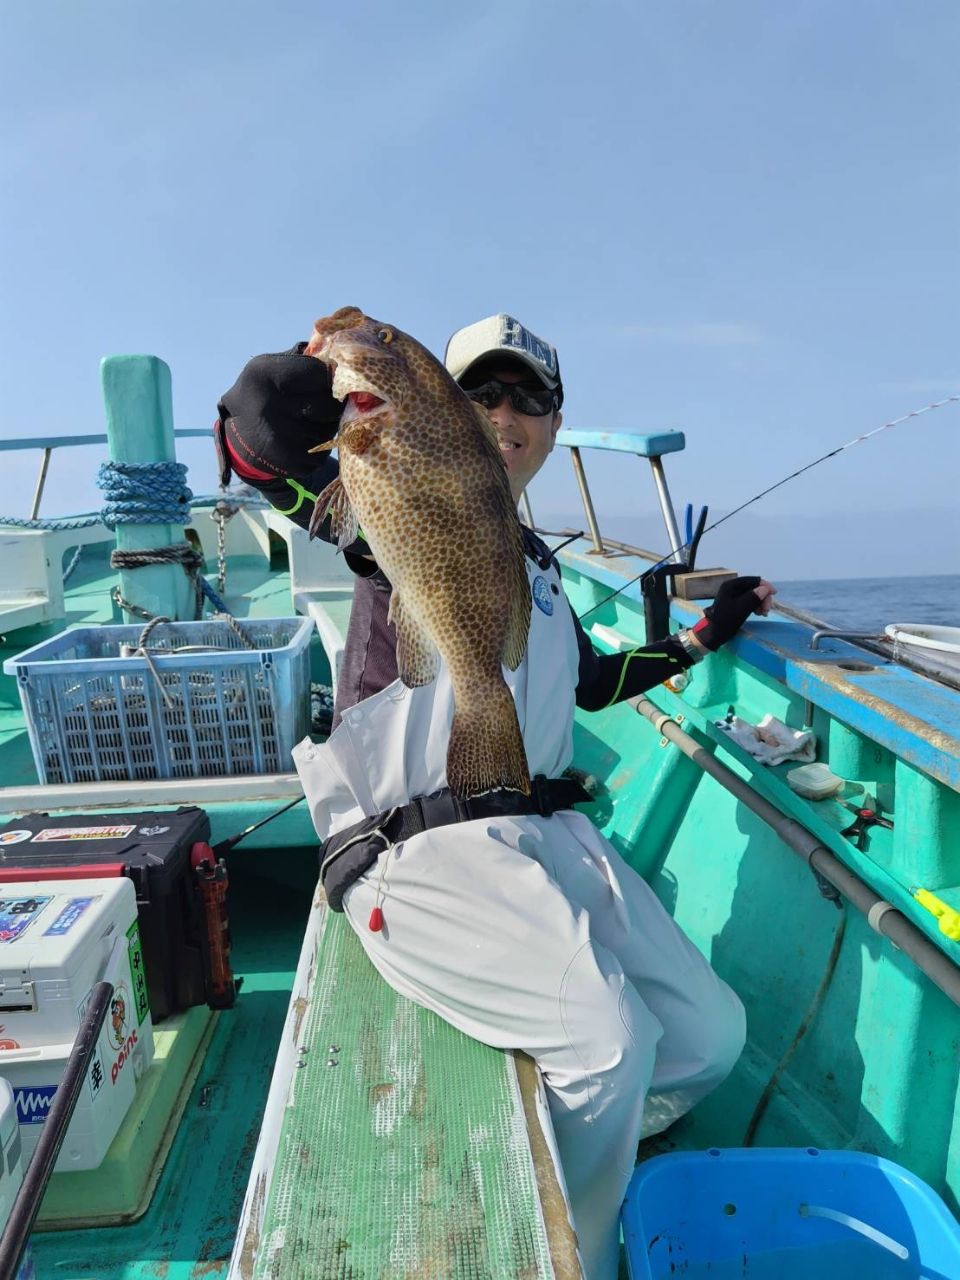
{"x": 588, "y": 510}
{"x": 41, "y": 481}
{"x": 666, "y": 510}
{"x": 526, "y": 510}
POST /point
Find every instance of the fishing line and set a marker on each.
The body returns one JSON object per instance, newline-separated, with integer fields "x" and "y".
{"x": 894, "y": 422}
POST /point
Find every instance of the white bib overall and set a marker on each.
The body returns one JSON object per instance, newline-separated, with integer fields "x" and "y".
{"x": 531, "y": 933}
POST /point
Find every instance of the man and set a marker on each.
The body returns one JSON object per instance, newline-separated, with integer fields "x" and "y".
{"x": 514, "y": 920}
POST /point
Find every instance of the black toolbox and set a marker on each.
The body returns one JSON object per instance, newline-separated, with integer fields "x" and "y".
{"x": 153, "y": 849}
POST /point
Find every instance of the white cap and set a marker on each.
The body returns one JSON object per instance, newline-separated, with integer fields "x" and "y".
{"x": 502, "y": 333}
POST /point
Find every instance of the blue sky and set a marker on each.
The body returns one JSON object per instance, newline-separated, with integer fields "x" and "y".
{"x": 738, "y": 219}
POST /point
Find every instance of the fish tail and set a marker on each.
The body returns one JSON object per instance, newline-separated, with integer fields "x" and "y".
{"x": 486, "y": 748}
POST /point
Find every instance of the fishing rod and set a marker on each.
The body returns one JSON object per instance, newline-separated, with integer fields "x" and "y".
{"x": 894, "y": 422}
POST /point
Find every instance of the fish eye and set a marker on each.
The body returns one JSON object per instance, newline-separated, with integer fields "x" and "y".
{"x": 385, "y": 335}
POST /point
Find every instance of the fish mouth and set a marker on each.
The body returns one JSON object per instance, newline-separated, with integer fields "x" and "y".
{"x": 360, "y": 404}
{"x": 361, "y": 396}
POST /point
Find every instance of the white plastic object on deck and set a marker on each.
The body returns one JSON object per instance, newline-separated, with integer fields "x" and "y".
{"x": 938, "y": 643}
{"x": 814, "y": 781}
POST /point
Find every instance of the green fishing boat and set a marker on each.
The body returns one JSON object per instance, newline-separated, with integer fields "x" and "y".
{"x": 316, "y": 1124}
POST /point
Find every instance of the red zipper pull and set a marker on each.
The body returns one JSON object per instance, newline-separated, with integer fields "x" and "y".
{"x": 375, "y": 923}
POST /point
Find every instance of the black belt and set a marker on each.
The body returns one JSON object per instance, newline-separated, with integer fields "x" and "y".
{"x": 442, "y": 809}
{"x": 346, "y": 856}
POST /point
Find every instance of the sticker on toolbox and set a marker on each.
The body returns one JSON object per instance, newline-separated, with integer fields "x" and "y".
{"x": 18, "y": 914}
{"x": 69, "y": 915}
{"x": 119, "y": 1028}
{"x": 95, "y": 1074}
{"x": 5, "y": 1041}
{"x": 33, "y": 1102}
{"x": 152, "y": 831}
{"x": 49, "y": 834}
{"x": 121, "y": 1031}
{"x": 14, "y": 837}
{"x": 137, "y": 974}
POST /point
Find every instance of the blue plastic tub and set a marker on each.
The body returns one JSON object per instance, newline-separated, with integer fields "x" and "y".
{"x": 785, "y": 1215}
{"x": 201, "y": 704}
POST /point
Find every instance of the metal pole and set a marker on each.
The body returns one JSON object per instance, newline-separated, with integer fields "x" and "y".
{"x": 41, "y": 481}
{"x": 28, "y": 1198}
{"x": 882, "y": 917}
{"x": 526, "y": 511}
{"x": 666, "y": 510}
{"x": 587, "y": 502}
{"x": 831, "y": 634}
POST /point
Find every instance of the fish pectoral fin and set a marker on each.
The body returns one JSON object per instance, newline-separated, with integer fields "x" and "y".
{"x": 327, "y": 444}
{"x": 417, "y": 658}
{"x": 518, "y": 614}
{"x": 333, "y": 501}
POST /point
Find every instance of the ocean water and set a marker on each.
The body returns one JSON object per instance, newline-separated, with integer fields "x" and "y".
{"x": 868, "y": 604}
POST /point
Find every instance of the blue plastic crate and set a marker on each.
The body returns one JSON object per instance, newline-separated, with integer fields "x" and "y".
{"x": 203, "y": 705}
{"x": 785, "y": 1215}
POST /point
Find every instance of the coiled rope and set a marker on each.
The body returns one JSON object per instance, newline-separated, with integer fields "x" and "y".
{"x": 153, "y": 493}
{"x": 148, "y": 493}
{"x": 144, "y": 493}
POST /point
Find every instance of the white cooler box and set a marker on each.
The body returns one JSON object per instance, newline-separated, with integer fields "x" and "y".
{"x": 58, "y": 938}
{"x": 11, "y": 1169}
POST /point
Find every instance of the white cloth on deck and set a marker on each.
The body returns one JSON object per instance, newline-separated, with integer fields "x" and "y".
{"x": 531, "y": 933}
{"x": 771, "y": 741}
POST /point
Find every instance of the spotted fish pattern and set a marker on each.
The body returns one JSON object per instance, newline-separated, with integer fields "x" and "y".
{"x": 421, "y": 474}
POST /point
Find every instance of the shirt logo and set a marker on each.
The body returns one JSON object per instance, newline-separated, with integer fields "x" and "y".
{"x": 541, "y": 596}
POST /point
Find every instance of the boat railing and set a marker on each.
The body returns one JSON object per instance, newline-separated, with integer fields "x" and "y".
{"x": 652, "y": 447}
{"x": 48, "y": 443}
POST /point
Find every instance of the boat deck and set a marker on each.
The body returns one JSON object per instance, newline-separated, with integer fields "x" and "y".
{"x": 869, "y": 1043}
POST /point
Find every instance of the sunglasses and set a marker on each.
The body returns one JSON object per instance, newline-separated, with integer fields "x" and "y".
{"x": 536, "y": 403}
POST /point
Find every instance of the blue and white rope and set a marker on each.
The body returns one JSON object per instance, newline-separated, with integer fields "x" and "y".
{"x": 68, "y": 571}
{"x": 144, "y": 493}
{"x": 67, "y": 522}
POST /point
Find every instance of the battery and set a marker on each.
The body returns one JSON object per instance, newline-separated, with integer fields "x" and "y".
{"x": 152, "y": 849}
{"x": 58, "y": 938}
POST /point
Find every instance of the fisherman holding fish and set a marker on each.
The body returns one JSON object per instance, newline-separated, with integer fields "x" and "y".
{"x": 450, "y": 837}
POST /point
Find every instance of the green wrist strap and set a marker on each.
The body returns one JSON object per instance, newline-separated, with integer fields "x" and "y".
{"x": 303, "y": 495}
{"x": 634, "y": 653}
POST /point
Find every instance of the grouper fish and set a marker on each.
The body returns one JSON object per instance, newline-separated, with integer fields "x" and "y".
{"x": 422, "y": 477}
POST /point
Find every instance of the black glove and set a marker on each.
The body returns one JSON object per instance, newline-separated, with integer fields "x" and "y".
{"x": 735, "y": 602}
{"x": 275, "y": 412}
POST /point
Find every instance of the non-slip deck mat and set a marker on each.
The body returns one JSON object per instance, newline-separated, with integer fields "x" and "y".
{"x": 407, "y": 1160}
